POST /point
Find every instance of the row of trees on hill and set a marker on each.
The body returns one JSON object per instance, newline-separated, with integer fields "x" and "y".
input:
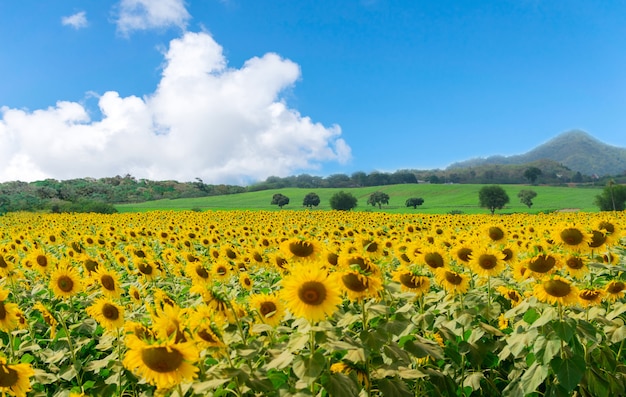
{"x": 343, "y": 201}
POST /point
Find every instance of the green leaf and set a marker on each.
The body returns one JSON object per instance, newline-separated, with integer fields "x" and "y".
{"x": 339, "y": 384}
{"x": 422, "y": 347}
{"x": 569, "y": 371}
{"x": 27, "y": 358}
{"x": 394, "y": 388}
{"x": 278, "y": 378}
{"x": 473, "y": 379}
{"x": 564, "y": 330}
{"x": 533, "y": 377}
{"x": 618, "y": 334}
{"x": 530, "y": 316}
{"x": 283, "y": 360}
{"x": 597, "y": 384}
{"x": 308, "y": 368}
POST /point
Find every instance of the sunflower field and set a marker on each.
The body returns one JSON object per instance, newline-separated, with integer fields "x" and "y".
{"x": 312, "y": 303}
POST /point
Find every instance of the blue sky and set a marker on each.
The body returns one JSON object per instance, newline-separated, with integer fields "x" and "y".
{"x": 234, "y": 91}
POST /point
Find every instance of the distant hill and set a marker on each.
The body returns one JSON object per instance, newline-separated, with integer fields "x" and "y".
{"x": 577, "y": 150}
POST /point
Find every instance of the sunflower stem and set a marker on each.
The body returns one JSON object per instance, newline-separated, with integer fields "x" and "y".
{"x": 179, "y": 389}
{"x": 71, "y": 347}
{"x": 367, "y": 358}
{"x": 119, "y": 359}
{"x": 488, "y": 297}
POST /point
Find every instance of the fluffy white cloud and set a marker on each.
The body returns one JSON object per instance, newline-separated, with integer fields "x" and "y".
{"x": 151, "y": 14}
{"x": 77, "y": 21}
{"x": 204, "y": 120}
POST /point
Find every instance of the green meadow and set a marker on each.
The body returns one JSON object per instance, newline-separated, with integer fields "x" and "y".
{"x": 438, "y": 199}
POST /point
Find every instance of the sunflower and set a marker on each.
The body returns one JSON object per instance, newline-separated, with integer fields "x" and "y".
{"x": 108, "y": 281}
{"x": 167, "y": 322}
{"x": 575, "y": 264}
{"x": 47, "y": 317}
{"x": 347, "y": 367}
{"x": 309, "y": 292}
{"x": 572, "y": 237}
{"x": 300, "y": 250}
{"x": 164, "y": 364}
{"x": 411, "y": 282}
{"x": 598, "y": 239}
{"x": 433, "y": 259}
{"x": 451, "y": 281}
{"x": 503, "y": 322}
{"x": 359, "y": 263}
{"x": 358, "y": 286}
{"x": 487, "y": 262}
{"x": 135, "y": 294}
{"x": 268, "y": 307}
{"x": 556, "y": 290}
{"x": 245, "y": 281}
{"x": 615, "y": 290}
{"x": 198, "y": 272}
{"x": 6, "y": 265}
{"x": 65, "y": 281}
{"x": 510, "y": 294}
{"x": 41, "y": 261}
{"x": 371, "y": 247}
{"x": 221, "y": 270}
{"x": 495, "y": 233}
{"x": 541, "y": 265}
{"x": 8, "y": 312}
{"x": 107, "y": 313}
{"x": 148, "y": 270}
{"x": 463, "y": 253}
{"x": 590, "y": 296}
{"x": 15, "y": 378}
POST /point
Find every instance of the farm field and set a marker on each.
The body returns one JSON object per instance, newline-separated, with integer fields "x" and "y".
{"x": 438, "y": 199}
{"x": 319, "y": 303}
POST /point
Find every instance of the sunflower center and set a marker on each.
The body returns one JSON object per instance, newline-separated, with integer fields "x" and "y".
{"x": 231, "y": 254}
{"x": 434, "y": 260}
{"x": 572, "y": 236}
{"x": 608, "y": 226}
{"x": 616, "y": 287}
{"x": 301, "y": 249}
{"x": 8, "y": 376}
{"x": 514, "y": 296}
{"x": 557, "y": 288}
{"x": 65, "y": 283}
{"x": 221, "y": 270}
{"x": 410, "y": 281}
{"x": 487, "y": 261}
{"x": 140, "y": 254}
{"x": 207, "y": 336}
{"x": 508, "y": 254}
{"x": 42, "y": 260}
{"x": 574, "y": 263}
{"x": 495, "y": 233}
{"x": 371, "y": 246}
{"x": 3, "y": 311}
{"x": 161, "y": 359}
{"x": 108, "y": 282}
{"x": 589, "y": 294}
{"x": 312, "y": 293}
{"x": 464, "y": 254}
{"x": 597, "y": 239}
{"x": 145, "y": 268}
{"x": 332, "y": 258}
{"x": 353, "y": 282}
{"x": 3, "y": 263}
{"x": 110, "y": 312}
{"x": 453, "y": 278}
{"x": 281, "y": 262}
{"x": 266, "y": 308}
{"x": 542, "y": 264}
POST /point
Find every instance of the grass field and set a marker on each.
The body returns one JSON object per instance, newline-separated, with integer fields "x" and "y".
{"x": 438, "y": 199}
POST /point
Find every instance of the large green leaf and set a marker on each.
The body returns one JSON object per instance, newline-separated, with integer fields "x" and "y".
{"x": 339, "y": 384}
{"x": 394, "y": 388}
{"x": 308, "y": 368}
{"x": 533, "y": 377}
{"x": 569, "y": 371}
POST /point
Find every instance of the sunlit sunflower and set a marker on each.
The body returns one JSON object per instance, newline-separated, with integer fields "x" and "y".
{"x": 65, "y": 281}
{"x": 503, "y": 322}
{"x": 135, "y": 294}
{"x": 615, "y": 290}
{"x": 198, "y": 272}
{"x": 47, "y": 317}
{"x": 164, "y": 364}
{"x": 572, "y": 237}
{"x": 462, "y": 253}
{"x": 347, "y": 367}
{"x": 268, "y": 307}
{"x": 434, "y": 259}
{"x": 451, "y": 281}
{"x": 8, "y": 312}
{"x": 167, "y": 322}
{"x": 148, "y": 270}
{"x": 590, "y": 296}
{"x": 495, "y": 233}
{"x": 542, "y": 265}
{"x": 487, "y": 262}
{"x": 138, "y": 330}
{"x": 371, "y": 247}
{"x": 575, "y": 264}
{"x": 598, "y": 239}
{"x": 108, "y": 281}
{"x": 556, "y": 290}
{"x": 107, "y": 313}
{"x": 7, "y": 265}
{"x": 358, "y": 286}
{"x": 41, "y": 261}
{"x": 611, "y": 229}
{"x": 221, "y": 270}
{"x": 359, "y": 263}
{"x": 309, "y": 292}
{"x": 299, "y": 250}
{"x": 510, "y": 294}
{"x": 245, "y": 281}
{"x": 411, "y": 282}
{"x": 15, "y": 378}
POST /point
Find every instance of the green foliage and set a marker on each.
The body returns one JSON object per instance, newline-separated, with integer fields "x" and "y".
{"x": 492, "y": 197}
{"x": 377, "y": 199}
{"x": 526, "y": 197}
{"x": 343, "y": 201}
{"x": 280, "y": 200}
{"x": 83, "y": 206}
{"x": 532, "y": 173}
{"x": 414, "y": 202}
{"x": 311, "y": 200}
{"x": 612, "y": 198}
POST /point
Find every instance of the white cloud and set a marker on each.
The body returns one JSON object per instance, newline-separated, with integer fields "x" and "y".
{"x": 151, "y": 14}
{"x": 204, "y": 120}
{"x": 77, "y": 21}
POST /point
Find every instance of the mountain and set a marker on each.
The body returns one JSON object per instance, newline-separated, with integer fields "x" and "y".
{"x": 577, "y": 150}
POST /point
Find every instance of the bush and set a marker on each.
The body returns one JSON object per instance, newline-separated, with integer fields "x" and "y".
{"x": 343, "y": 201}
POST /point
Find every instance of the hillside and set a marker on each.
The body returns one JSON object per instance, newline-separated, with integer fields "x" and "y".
{"x": 576, "y": 150}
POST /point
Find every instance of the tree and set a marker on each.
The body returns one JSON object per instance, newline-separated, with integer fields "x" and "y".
{"x": 526, "y": 197}
{"x": 531, "y": 174}
{"x": 343, "y": 201}
{"x": 280, "y": 200}
{"x": 378, "y": 198}
{"x": 414, "y": 202}
{"x": 311, "y": 200}
{"x": 613, "y": 198}
{"x": 493, "y": 197}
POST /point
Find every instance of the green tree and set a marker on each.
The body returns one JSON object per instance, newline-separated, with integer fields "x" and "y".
{"x": 612, "y": 198}
{"x": 526, "y": 197}
{"x": 493, "y": 197}
{"x": 311, "y": 200}
{"x": 280, "y": 200}
{"x": 343, "y": 201}
{"x": 531, "y": 174}
{"x": 414, "y": 202}
{"x": 378, "y": 199}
